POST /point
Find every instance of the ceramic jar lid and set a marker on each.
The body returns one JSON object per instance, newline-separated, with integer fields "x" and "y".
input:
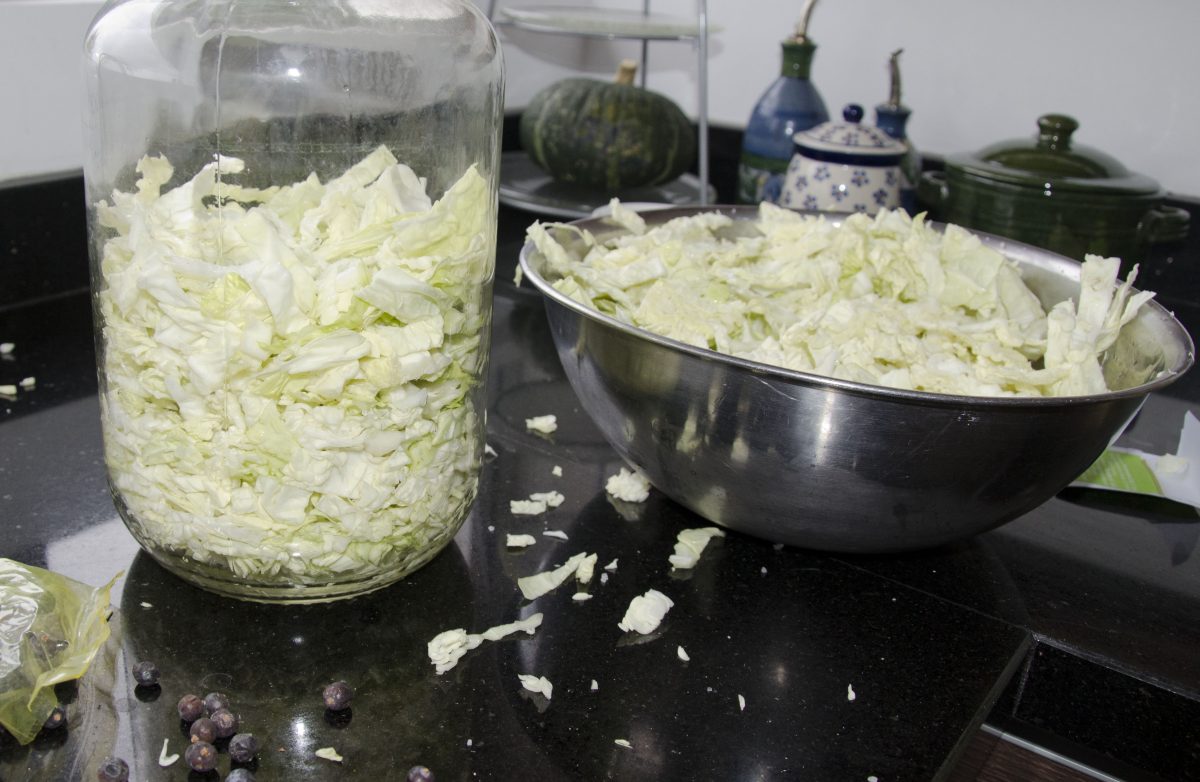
{"x": 1051, "y": 161}
{"x": 849, "y": 142}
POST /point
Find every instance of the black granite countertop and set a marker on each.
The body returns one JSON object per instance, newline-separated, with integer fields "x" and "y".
{"x": 1075, "y": 626}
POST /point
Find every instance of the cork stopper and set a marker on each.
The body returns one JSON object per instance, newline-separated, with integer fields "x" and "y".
{"x": 625, "y": 72}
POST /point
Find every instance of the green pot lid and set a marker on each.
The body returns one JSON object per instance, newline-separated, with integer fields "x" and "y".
{"x": 1050, "y": 161}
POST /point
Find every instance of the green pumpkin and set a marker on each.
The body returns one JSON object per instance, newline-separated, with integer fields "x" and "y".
{"x": 607, "y": 135}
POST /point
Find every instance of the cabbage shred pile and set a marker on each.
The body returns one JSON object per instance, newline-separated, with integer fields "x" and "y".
{"x": 886, "y": 300}
{"x": 290, "y": 372}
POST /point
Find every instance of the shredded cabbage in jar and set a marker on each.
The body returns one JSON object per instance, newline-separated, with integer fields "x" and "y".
{"x": 886, "y": 300}
{"x": 289, "y": 372}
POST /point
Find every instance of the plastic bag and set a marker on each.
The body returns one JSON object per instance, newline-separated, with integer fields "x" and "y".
{"x": 50, "y": 629}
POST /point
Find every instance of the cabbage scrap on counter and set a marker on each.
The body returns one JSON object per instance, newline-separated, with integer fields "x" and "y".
{"x": 289, "y": 371}
{"x": 886, "y": 300}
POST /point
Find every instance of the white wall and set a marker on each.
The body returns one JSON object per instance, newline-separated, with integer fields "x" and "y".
{"x": 40, "y": 94}
{"x": 974, "y": 71}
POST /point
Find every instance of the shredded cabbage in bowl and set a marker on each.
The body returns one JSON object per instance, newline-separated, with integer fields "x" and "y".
{"x": 886, "y": 300}
{"x": 290, "y": 375}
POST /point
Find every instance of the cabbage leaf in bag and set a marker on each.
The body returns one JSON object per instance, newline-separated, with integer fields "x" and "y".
{"x": 50, "y": 630}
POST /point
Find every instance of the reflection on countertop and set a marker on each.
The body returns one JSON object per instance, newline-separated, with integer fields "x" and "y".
{"x": 928, "y": 642}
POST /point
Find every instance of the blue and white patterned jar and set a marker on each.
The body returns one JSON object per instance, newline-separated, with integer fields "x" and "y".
{"x": 844, "y": 167}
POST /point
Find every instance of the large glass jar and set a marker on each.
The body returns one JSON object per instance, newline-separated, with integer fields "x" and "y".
{"x": 292, "y": 211}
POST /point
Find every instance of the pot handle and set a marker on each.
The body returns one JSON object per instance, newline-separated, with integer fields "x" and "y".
{"x": 1165, "y": 224}
{"x": 932, "y": 190}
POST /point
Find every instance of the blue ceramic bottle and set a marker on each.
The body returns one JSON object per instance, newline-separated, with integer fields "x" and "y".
{"x": 892, "y": 119}
{"x": 791, "y": 104}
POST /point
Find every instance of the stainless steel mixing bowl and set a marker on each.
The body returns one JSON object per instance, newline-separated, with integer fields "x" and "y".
{"x": 837, "y": 465}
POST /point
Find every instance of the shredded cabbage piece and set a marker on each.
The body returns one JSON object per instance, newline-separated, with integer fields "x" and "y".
{"x": 690, "y": 544}
{"x": 291, "y": 372}
{"x": 539, "y": 685}
{"x": 519, "y": 541}
{"x": 646, "y": 612}
{"x": 886, "y": 300}
{"x": 448, "y": 647}
{"x": 533, "y": 587}
{"x": 628, "y": 485}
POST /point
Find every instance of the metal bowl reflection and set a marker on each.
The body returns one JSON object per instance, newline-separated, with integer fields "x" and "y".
{"x": 837, "y": 465}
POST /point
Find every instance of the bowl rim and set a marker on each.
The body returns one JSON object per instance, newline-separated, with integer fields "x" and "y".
{"x": 1070, "y": 268}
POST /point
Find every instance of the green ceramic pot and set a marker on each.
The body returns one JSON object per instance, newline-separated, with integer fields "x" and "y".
{"x": 1051, "y": 193}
